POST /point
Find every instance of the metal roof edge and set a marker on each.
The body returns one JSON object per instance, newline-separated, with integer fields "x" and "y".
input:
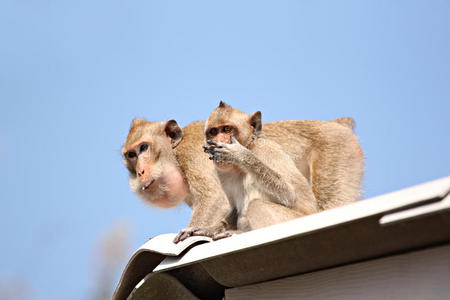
{"x": 308, "y": 224}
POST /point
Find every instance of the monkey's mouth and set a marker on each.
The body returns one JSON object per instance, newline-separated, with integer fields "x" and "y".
{"x": 147, "y": 185}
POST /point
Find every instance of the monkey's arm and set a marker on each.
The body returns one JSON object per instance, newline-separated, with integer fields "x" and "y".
{"x": 279, "y": 190}
{"x": 206, "y": 197}
{"x": 204, "y": 223}
{"x": 213, "y": 230}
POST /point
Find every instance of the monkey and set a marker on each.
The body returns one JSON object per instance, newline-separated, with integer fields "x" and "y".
{"x": 252, "y": 167}
{"x": 167, "y": 166}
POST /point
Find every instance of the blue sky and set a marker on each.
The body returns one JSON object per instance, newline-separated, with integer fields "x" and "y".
{"x": 73, "y": 74}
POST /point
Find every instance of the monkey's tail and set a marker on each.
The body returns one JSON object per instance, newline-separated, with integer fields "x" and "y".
{"x": 346, "y": 121}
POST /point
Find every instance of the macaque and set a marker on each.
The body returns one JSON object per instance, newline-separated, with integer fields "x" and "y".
{"x": 252, "y": 167}
{"x": 167, "y": 166}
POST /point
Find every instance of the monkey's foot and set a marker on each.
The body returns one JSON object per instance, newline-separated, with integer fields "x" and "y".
{"x": 192, "y": 231}
{"x": 225, "y": 234}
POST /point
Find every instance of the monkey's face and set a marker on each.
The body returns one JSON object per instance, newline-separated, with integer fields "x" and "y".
{"x": 222, "y": 133}
{"x": 153, "y": 174}
{"x": 141, "y": 161}
{"x": 225, "y": 121}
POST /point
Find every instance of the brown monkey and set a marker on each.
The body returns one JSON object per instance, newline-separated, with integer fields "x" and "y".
{"x": 167, "y": 166}
{"x": 252, "y": 167}
{"x": 181, "y": 172}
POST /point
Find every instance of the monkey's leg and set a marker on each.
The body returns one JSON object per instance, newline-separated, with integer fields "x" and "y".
{"x": 336, "y": 173}
{"x": 262, "y": 213}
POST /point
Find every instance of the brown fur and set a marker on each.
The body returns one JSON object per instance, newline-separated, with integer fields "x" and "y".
{"x": 328, "y": 155}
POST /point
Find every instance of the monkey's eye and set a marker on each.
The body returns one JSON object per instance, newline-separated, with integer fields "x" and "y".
{"x": 130, "y": 154}
{"x": 227, "y": 129}
{"x": 143, "y": 147}
{"x": 213, "y": 131}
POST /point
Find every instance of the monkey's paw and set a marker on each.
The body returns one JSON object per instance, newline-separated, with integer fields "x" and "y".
{"x": 225, "y": 234}
{"x": 192, "y": 231}
{"x": 223, "y": 152}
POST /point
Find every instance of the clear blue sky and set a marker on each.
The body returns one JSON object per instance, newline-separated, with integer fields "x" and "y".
{"x": 73, "y": 74}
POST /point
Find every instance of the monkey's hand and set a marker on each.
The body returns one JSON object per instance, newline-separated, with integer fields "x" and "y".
{"x": 194, "y": 231}
{"x": 225, "y": 234}
{"x": 233, "y": 153}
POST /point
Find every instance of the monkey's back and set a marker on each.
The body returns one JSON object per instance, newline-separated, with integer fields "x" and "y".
{"x": 327, "y": 153}
{"x": 297, "y": 138}
{"x": 300, "y": 138}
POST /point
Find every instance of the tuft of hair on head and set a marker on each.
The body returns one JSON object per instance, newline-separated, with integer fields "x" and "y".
{"x": 137, "y": 122}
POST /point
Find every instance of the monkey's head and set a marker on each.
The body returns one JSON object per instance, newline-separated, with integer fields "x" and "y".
{"x": 150, "y": 159}
{"x": 225, "y": 121}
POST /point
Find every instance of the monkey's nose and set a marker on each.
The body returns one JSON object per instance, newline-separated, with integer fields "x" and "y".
{"x": 141, "y": 173}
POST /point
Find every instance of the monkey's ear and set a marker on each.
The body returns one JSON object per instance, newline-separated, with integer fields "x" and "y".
{"x": 174, "y": 132}
{"x": 223, "y": 104}
{"x": 255, "y": 122}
